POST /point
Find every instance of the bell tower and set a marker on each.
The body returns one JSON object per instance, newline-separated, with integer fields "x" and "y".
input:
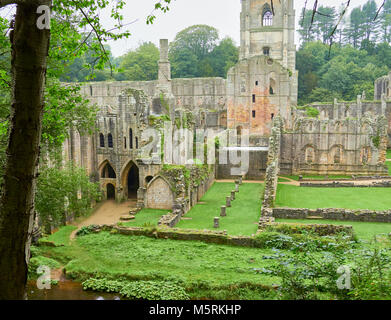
{"x": 268, "y": 28}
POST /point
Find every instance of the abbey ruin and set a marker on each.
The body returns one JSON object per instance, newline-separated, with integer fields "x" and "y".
{"x": 260, "y": 92}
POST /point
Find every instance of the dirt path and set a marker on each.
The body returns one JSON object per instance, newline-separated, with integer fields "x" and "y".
{"x": 107, "y": 213}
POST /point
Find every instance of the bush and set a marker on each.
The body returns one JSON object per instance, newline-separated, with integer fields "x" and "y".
{"x": 145, "y": 290}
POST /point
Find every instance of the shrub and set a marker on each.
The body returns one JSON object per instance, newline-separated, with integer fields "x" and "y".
{"x": 145, "y": 290}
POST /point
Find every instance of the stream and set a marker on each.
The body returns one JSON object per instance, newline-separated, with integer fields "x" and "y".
{"x": 66, "y": 290}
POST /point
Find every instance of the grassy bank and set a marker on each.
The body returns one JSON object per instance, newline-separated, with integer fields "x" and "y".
{"x": 345, "y": 198}
{"x": 241, "y": 218}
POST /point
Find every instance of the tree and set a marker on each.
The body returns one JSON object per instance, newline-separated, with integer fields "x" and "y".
{"x": 30, "y": 48}
{"x": 64, "y": 190}
{"x": 196, "y": 52}
{"x": 141, "y": 64}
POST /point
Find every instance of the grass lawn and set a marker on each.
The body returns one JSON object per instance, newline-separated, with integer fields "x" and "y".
{"x": 146, "y": 217}
{"x": 389, "y": 154}
{"x": 242, "y": 217}
{"x": 205, "y": 270}
{"x": 364, "y": 230}
{"x": 389, "y": 167}
{"x": 62, "y": 236}
{"x": 346, "y": 198}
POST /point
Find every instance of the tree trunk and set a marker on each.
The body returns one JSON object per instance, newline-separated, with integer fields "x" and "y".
{"x": 30, "y": 47}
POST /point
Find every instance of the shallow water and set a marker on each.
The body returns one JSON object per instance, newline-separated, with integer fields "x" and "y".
{"x": 66, "y": 290}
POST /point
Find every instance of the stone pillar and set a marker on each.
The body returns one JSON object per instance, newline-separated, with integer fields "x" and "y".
{"x": 223, "y": 211}
{"x": 233, "y": 195}
{"x": 228, "y": 202}
{"x": 237, "y": 187}
{"x": 216, "y": 222}
{"x": 240, "y": 181}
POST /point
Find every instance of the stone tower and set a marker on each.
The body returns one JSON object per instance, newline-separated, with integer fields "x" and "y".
{"x": 269, "y": 31}
{"x": 264, "y": 82}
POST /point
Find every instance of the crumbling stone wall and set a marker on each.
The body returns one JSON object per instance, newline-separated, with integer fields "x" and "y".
{"x": 333, "y": 214}
{"x": 272, "y": 171}
{"x": 349, "y": 141}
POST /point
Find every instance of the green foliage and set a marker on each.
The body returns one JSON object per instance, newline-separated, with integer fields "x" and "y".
{"x": 140, "y": 64}
{"x": 308, "y": 275}
{"x": 145, "y": 290}
{"x": 36, "y": 262}
{"x": 64, "y": 190}
{"x": 196, "y": 52}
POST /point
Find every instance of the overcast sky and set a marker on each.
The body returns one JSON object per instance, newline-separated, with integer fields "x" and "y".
{"x": 224, "y": 15}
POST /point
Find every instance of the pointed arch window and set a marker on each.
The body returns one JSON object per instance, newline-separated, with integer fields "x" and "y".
{"x": 110, "y": 140}
{"x": 267, "y": 16}
{"x": 101, "y": 140}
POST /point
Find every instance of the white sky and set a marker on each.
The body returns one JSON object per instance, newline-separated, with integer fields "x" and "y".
{"x": 224, "y": 15}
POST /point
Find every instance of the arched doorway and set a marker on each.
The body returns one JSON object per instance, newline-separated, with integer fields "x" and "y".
{"x": 133, "y": 182}
{"x": 110, "y": 192}
{"x": 130, "y": 180}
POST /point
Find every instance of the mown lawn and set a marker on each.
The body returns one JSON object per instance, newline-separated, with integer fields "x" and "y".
{"x": 146, "y": 217}
{"x": 389, "y": 154}
{"x": 363, "y": 230}
{"x": 346, "y": 198}
{"x": 242, "y": 217}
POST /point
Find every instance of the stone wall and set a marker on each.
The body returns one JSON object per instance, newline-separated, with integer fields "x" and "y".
{"x": 338, "y": 184}
{"x": 340, "y": 146}
{"x": 333, "y": 214}
{"x": 178, "y": 188}
{"x": 159, "y": 194}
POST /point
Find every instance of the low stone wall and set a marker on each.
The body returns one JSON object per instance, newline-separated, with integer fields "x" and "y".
{"x": 337, "y": 184}
{"x": 333, "y": 214}
{"x": 170, "y": 220}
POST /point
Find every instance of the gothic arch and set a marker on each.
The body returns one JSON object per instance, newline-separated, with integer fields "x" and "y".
{"x": 159, "y": 194}
{"x": 309, "y": 154}
{"x": 105, "y": 171}
{"x": 337, "y": 154}
{"x": 130, "y": 180}
{"x": 267, "y": 16}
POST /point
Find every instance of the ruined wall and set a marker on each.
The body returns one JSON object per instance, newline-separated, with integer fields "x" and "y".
{"x": 259, "y": 89}
{"x": 159, "y": 194}
{"x": 346, "y": 138}
{"x": 272, "y": 171}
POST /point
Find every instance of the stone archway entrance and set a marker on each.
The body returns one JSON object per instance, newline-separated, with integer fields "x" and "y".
{"x": 110, "y": 192}
{"x": 130, "y": 180}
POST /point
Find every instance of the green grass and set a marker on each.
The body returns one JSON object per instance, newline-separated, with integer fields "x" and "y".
{"x": 364, "y": 230}
{"x": 62, "y": 236}
{"x": 388, "y": 163}
{"x": 146, "y": 217}
{"x": 389, "y": 154}
{"x": 205, "y": 270}
{"x": 345, "y": 198}
{"x": 242, "y": 217}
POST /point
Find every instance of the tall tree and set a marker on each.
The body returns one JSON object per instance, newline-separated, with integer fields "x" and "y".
{"x": 30, "y": 47}
{"x": 141, "y": 64}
